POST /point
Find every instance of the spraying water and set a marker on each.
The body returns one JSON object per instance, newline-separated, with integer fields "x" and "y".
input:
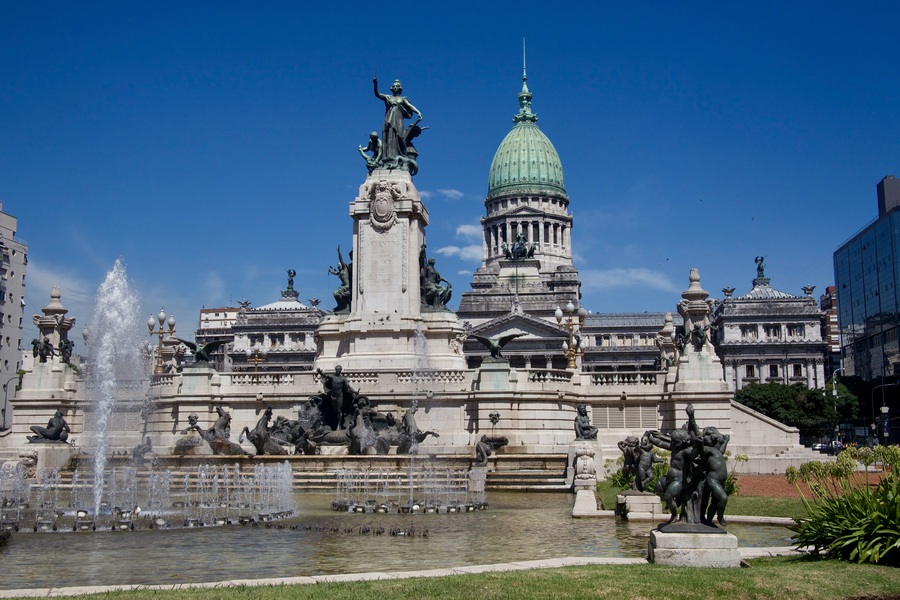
{"x": 115, "y": 331}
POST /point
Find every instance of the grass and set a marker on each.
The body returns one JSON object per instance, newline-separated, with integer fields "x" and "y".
{"x": 796, "y": 578}
{"x": 754, "y": 506}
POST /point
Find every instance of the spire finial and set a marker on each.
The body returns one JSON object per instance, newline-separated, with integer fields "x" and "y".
{"x": 525, "y": 114}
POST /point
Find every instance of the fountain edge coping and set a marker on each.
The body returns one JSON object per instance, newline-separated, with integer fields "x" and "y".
{"x": 548, "y": 563}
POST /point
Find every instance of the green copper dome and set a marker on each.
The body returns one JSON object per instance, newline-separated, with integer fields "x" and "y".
{"x": 526, "y": 162}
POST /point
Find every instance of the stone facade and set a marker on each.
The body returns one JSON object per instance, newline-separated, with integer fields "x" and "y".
{"x": 13, "y": 258}
{"x": 768, "y": 336}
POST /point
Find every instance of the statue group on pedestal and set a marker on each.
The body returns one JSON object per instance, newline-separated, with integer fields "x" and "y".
{"x": 42, "y": 349}
{"x": 395, "y": 149}
{"x": 520, "y": 248}
{"x": 694, "y": 487}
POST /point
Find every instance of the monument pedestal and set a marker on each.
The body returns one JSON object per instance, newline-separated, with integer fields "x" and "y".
{"x": 680, "y": 547}
{"x": 639, "y": 505}
{"x": 387, "y": 326}
{"x": 494, "y": 375}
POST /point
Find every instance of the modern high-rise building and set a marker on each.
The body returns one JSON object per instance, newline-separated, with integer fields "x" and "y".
{"x": 13, "y": 258}
{"x": 867, "y": 278}
{"x": 831, "y": 333}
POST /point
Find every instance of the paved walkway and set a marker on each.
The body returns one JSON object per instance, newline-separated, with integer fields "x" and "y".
{"x": 746, "y": 553}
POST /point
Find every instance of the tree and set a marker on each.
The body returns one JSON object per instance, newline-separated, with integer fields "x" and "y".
{"x": 812, "y": 411}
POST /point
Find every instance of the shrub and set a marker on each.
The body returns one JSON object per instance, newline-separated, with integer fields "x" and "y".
{"x": 849, "y": 519}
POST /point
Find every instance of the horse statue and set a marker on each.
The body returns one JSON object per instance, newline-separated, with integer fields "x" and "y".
{"x": 261, "y": 436}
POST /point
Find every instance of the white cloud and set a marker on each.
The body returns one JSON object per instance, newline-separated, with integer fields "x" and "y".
{"x": 425, "y": 194}
{"x": 464, "y": 273}
{"x": 469, "y": 232}
{"x": 621, "y": 278}
{"x": 77, "y": 294}
{"x": 471, "y": 253}
{"x": 451, "y": 194}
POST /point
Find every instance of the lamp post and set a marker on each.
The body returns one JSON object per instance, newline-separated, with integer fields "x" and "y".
{"x": 883, "y": 405}
{"x": 161, "y": 332}
{"x": 6, "y": 399}
{"x": 256, "y": 355}
{"x": 572, "y": 347}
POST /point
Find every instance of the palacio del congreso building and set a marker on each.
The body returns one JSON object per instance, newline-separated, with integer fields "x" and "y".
{"x": 515, "y": 361}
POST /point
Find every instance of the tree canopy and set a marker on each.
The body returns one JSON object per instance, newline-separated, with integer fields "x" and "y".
{"x": 814, "y": 412}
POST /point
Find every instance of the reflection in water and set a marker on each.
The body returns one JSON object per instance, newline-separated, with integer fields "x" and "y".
{"x": 515, "y": 527}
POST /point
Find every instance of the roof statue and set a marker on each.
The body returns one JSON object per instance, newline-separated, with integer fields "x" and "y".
{"x": 395, "y": 149}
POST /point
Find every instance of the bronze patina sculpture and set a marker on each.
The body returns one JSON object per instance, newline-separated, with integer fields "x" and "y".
{"x": 41, "y": 348}
{"x": 376, "y": 148}
{"x": 65, "y": 349}
{"x": 486, "y": 446}
{"x": 695, "y": 483}
{"x": 203, "y": 352}
{"x": 344, "y": 293}
{"x": 397, "y": 150}
{"x": 433, "y": 294}
{"x": 496, "y": 345}
{"x": 583, "y": 428}
{"x": 340, "y": 398}
{"x": 261, "y": 436}
{"x": 57, "y": 430}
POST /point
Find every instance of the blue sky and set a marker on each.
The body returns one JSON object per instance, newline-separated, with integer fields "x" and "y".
{"x": 212, "y": 146}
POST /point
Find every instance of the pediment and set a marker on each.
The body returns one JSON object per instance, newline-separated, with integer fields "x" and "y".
{"x": 532, "y": 327}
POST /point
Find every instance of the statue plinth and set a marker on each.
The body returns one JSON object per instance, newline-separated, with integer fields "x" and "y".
{"x": 716, "y": 549}
{"x": 496, "y": 375}
{"x": 387, "y": 327}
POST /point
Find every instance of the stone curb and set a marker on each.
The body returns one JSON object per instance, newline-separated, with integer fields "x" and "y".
{"x": 548, "y": 563}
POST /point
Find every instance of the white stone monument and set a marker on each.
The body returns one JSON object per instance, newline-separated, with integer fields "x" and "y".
{"x": 388, "y": 327}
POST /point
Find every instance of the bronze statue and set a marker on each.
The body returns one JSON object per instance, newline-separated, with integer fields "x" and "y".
{"x": 141, "y": 450}
{"x": 203, "y": 352}
{"x": 340, "y": 397}
{"x": 42, "y": 348}
{"x": 217, "y": 435}
{"x": 583, "y": 428}
{"x": 395, "y": 137}
{"x": 760, "y": 266}
{"x": 344, "y": 294}
{"x": 433, "y": 294}
{"x": 486, "y": 447}
{"x": 496, "y": 345}
{"x": 57, "y": 430}
{"x": 697, "y": 472}
{"x": 65, "y": 349}
{"x": 291, "y": 274}
{"x": 376, "y": 148}
{"x": 261, "y": 436}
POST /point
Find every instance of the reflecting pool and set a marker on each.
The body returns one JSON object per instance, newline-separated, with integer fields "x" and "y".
{"x": 320, "y": 541}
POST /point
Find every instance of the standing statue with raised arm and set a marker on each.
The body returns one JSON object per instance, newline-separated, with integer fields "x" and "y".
{"x": 396, "y": 139}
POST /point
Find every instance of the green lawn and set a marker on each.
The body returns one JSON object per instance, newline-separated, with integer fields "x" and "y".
{"x": 795, "y": 578}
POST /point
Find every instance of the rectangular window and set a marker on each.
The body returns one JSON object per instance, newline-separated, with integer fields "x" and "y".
{"x": 773, "y": 331}
{"x": 750, "y": 371}
{"x": 748, "y": 331}
{"x": 773, "y": 370}
{"x": 798, "y": 370}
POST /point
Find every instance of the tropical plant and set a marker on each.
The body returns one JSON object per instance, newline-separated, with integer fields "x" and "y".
{"x": 851, "y": 518}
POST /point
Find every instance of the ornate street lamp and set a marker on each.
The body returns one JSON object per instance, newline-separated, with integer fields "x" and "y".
{"x": 256, "y": 355}
{"x": 574, "y": 322}
{"x": 161, "y": 332}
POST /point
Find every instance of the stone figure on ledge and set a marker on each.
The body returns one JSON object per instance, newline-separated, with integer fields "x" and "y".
{"x": 376, "y": 148}
{"x": 695, "y": 483}
{"x": 433, "y": 294}
{"x": 496, "y": 345}
{"x": 57, "y": 430}
{"x": 583, "y": 428}
{"x": 397, "y": 150}
{"x": 344, "y": 293}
